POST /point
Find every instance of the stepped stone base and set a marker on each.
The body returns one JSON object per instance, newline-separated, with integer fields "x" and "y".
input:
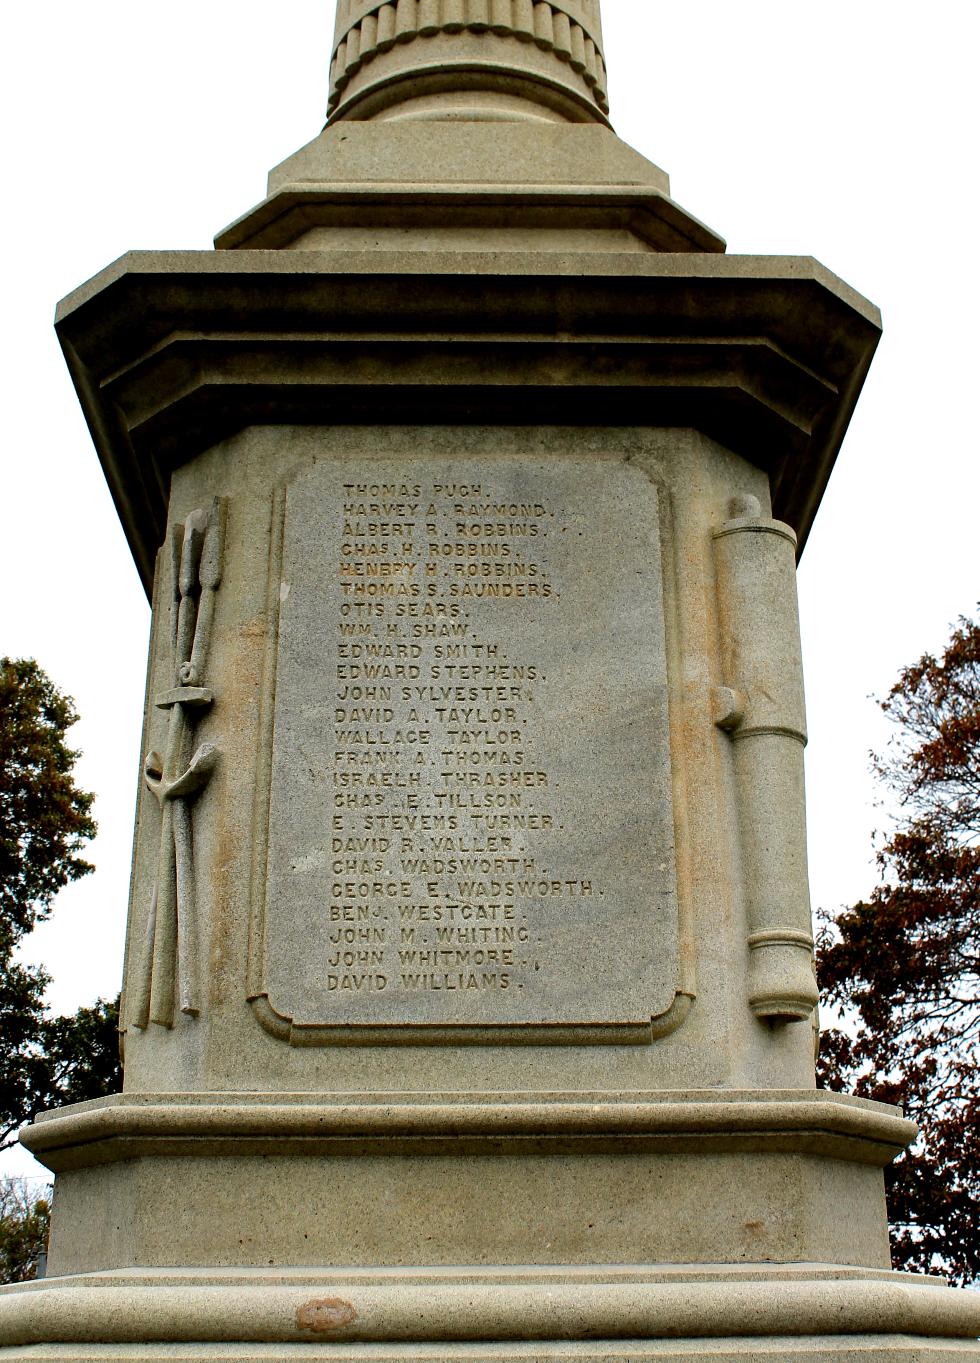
{"x": 825, "y": 1349}
{"x": 818, "y": 1313}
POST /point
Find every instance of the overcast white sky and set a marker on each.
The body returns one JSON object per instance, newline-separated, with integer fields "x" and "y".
{"x": 844, "y": 129}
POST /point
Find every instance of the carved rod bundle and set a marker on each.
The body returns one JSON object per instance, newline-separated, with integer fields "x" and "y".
{"x": 168, "y": 968}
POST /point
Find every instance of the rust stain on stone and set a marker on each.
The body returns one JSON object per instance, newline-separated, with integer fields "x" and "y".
{"x": 325, "y": 1315}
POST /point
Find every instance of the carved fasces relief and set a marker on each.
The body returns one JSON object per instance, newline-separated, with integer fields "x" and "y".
{"x": 761, "y": 707}
{"x": 167, "y": 972}
{"x": 467, "y": 830}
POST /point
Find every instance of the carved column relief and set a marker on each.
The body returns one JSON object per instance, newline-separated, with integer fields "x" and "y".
{"x": 168, "y": 969}
{"x": 762, "y": 708}
{"x": 570, "y": 29}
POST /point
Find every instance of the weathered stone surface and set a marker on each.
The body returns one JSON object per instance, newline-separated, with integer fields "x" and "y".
{"x": 793, "y": 1312}
{"x": 174, "y": 352}
{"x": 469, "y": 58}
{"x": 402, "y": 1179}
{"x": 824, "y": 1348}
{"x": 471, "y": 821}
{"x": 717, "y": 1043}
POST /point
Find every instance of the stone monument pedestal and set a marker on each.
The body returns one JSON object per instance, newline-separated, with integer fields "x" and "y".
{"x": 469, "y": 999}
{"x": 503, "y": 1226}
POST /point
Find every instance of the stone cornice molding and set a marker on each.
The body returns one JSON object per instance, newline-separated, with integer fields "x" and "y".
{"x": 172, "y": 351}
{"x": 124, "y": 1127}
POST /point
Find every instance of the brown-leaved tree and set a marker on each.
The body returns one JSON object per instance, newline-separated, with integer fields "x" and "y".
{"x": 902, "y": 968}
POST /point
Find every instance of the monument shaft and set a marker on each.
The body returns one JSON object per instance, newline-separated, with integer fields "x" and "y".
{"x": 469, "y": 997}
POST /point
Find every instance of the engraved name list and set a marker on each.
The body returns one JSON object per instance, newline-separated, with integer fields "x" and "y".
{"x": 470, "y": 657}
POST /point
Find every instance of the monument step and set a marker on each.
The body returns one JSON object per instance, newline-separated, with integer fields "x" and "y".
{"x": 814, "y": 1312}
{"x": 823, "y": 1349}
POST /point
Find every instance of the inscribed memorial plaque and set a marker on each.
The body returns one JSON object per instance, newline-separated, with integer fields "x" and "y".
{"x": 470, "y": 821}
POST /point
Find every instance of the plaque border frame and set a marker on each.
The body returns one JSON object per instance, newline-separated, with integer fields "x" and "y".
{"x": 284, "y": 1027}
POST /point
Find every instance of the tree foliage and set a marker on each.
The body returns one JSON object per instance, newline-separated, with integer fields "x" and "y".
{"x": 24, "y": 1219}
{"x": 48, "y": 1062}
{"x": 903, "y": 967}
{"x": 45, "y": 821}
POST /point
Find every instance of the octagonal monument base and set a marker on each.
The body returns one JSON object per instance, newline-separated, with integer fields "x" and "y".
{"x": 315, "y": 1214}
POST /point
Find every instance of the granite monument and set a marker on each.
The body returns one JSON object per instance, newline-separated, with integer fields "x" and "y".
{"x": 469, "y": 1004}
